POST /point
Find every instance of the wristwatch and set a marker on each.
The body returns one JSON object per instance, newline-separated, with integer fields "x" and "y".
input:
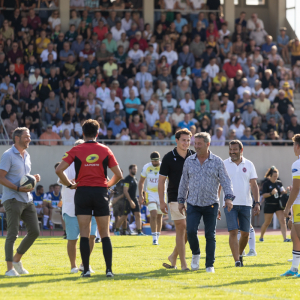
{"x": 257, "y": 203}
{"x": 69, "y": 186}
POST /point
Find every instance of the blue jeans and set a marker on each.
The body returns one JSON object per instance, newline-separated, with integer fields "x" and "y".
{"x": 193, "y": 217}
{"x": 49, "y": 117}
{"x": 238, "y": 218}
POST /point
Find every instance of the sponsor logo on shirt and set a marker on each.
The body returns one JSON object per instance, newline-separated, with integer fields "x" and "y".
{"x": 294, "y": 170}
{"x": 65, "y": 155}
{"x": 244, "y": 170}
{"x": 91, "y": 159}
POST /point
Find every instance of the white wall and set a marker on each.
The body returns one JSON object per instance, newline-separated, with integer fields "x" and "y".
{"x": 43, "y": 159}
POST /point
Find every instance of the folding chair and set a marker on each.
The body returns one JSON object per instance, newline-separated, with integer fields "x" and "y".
{"x": 56, "y": 218}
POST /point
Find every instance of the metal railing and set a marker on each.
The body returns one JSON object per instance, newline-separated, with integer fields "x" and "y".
{"x": 151, "y": 142}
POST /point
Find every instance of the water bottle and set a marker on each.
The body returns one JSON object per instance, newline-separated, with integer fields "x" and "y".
{"x": 276, "y": 195}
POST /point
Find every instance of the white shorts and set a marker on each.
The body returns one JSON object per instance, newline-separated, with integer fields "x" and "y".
{"x": 152, "y": 197}
{"x": 39, "y": 210}
{"x": 175, "y": 213}
{"x": 154, "y": 206}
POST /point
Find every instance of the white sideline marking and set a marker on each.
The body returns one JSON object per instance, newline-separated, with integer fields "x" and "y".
{"x": 207, "y": 287}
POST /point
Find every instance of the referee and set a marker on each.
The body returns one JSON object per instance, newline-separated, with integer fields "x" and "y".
{"x": 91, "y": 160}
{"x": 171, "y": 168}
{"x": 17, "y": 201}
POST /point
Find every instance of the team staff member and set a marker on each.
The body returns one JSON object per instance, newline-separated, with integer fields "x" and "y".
{"x": 241, "y": 172}
{"x": 202, "y": 174}
{"x": 272, "y": 190}
{"x": 130, "y": 202}
{"x": 91, "y": 161}
{"x": 17, "y": 201}
{"x": 71, "y": 223}
{"x": 150, "y": 173}
{"x": 171, "y": 168}
{"x": 294, "y": 203}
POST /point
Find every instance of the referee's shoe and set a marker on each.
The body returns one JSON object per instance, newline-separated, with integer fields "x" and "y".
{"x": 87, "y": 274}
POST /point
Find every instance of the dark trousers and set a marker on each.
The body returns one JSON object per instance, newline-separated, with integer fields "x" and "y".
{"x": 193, "y": 217}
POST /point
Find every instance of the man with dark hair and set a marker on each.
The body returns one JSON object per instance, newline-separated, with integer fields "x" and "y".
{"x": 91, "y": 198}
{"x": 17, "y": 200}
{"x": 243, "y": 176}
{"x": 131, "y": 203}
{"x": 171, "y": 168}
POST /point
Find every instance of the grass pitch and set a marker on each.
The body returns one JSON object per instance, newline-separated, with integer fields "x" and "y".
{"x": 139, "y": 273}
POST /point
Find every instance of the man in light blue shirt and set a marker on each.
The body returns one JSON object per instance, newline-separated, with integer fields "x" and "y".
{"x": 117, "y": 125}
{"x": 179, "y": 22}
{"x": 17, "y": 201}
{"x": 132, "y": 103}
{"x": 142, "y": 77}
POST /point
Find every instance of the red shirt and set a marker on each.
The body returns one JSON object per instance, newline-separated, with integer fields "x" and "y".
{"x": 91, "y": 160}
{"x": 34, "y": 23}
{"x": 143, "y": 44}
{"x": 101, "y": 32}
{"x": 231, "y": 70}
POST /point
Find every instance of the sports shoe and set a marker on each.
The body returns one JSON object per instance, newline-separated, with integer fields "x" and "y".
{"x": 298, "y": 276}
{"x": 74, "y": 270}
{"x": 241, "y": 260}
{"x": 97, "y": 240}
{"x": 81, "y": 268}
{"x": 117, "y": 233}
{"x": 289, "y": 273}
{"x": 87, "y": 274}
{"x": 141, "y": 233}
{"x": 252, "y": 252}
{"x": 287, "y": 240}
{"x": 244, "y": 253}
{"x": 261, "y": 239}
{"x": 238, "y": 264}
{"x": 109, "y": 273}
{"x": 19, "y": 268}
{"x": 12, "y": 272}
{"x": 290, "y": 260}
{"x": 195, "y": 262}
{"x": 210, "y": 270}
{"x": 155, "y": 242}
{"x": 45, "y": 228}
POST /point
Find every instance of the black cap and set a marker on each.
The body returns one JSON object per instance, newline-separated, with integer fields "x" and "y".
{"x": 154, "y": 156}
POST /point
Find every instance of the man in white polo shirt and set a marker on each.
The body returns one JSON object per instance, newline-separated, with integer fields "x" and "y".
{"x": 68, "y": 213}
{"x": 187, "y": 104}
{"x": 241, "y": 172}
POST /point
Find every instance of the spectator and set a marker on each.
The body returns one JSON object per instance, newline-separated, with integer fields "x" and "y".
{"x": 283, "y": 43}
{"x": 238, "y": 127}
{"x": 6, "y": 30}
{"x": 33, "y": 99}
{"x": 249, "y": 114}
{"x": 43, "y": 89}
{"x": 218, "y": 138}
{"x": 273, "y": 113}
{"x": 179, "y": 22}
{"x": 294, "y": 45}
{"x": 146, "y": 92}
{"x": 109, "y": 105}
{"x": 262, "y": 105}
{"x": 257, "y": 90}
{"x": 223, "y": 113}
{"x": 212, "y": 68}
{"x": 143, "y": 76}
{"x": 118, "y": 112}
{"x": 67, "y": 139}
{"x": 65, "y": 52}
{"x": 49, "y": 135}
{"x": 232, "y": 67}
{"x": 294, "y": 126}
{"x": 187, "y": 104}
{"x": 136, "y": 126}
{"x": 67, "y": 125}
{"x": 130, "y": 86}
{"x": 248, "y": 137}
{"x": 11, "y": 124}
{"x": 131, "y": 103}
{"x": 186, "y": 123}
{"x": 14, "y": 53}
{"x": 116, "y": 125}
{"x": 162, "y": 126}
{"x": 282, "y": 103}
{"x": 85, "y": 89}
{"x": 52, "y": 106}
{"x": 252, "y": 23}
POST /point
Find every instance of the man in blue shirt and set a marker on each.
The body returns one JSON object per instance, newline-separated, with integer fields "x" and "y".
{"x": 186, "y": 123}
{"x": 117, "y": 125}
{"x": 266, "y": 48}
{"x": 17, "y": 200}
{"x": 179, "y": 22}
{"x": 248, "y": 137}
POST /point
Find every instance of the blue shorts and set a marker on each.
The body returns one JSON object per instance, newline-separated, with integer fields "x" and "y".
{"x": 72, "y": 227}
{"x": 238, "y": 218}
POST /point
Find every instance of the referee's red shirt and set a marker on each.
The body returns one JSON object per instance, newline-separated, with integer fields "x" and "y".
{"x": 91, "y": 160}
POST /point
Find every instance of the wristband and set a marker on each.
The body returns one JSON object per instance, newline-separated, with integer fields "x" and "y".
{"x": 258, "y": 204}
{"x": 181, "y": 200}
{"x": 69, "y": 186}
{"x": 229, "y": 197}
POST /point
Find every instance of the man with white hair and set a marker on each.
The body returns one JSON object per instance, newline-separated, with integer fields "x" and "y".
{"x": 244, "y": 87}
{"x": 218, "y": 139}
{"x": 143, "y": 76}
{"x": 251, "y": 23}
{"x": 130, "y": 87}
{"x": 262, "y": 105}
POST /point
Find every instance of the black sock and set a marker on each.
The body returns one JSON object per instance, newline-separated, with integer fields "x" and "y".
{"x": 107, "y": 252}
{"x": 139, "y": 231}
{"x": 85, "y": 253}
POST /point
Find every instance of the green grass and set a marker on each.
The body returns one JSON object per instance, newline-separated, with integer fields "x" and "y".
{"x": 139, "y": 273}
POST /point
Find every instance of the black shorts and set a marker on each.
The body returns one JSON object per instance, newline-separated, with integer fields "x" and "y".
{"x": 118, "y": 208}
{"x": 127, "y": 208}
{"x": 91, "y": 200}
{"x": 271, "y": 208}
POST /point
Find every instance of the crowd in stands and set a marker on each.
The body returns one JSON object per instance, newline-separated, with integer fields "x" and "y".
{"x": 143, "y": 83}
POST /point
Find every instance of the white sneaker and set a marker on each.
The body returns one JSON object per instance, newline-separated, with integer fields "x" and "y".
{"x": 252, "y": 252}
{"x": 210, "y": 270}
{"x": 244, "y": 253}
{"x": 195, "y": 262}
{"x": 12, "y": 272}
{"x": 74, "y": 270}
{"x": 81, "y": 268}
{"x": 19, "y": 268}
{"x": 155, "y": 242}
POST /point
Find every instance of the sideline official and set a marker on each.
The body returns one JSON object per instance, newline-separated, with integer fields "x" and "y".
{"x": 91, "y": 198}
{"x": 202, "y": 174}
{"x": 17, "y": 201}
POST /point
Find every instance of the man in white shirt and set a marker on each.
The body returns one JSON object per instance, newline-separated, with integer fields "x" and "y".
{"x": 136, "y": 54}
{"x": 46, "y": 52}
{"x": 126, "y": 21}
{"x": 251, "y": 23}
{"x": 151, "y": 116}
{"x": 143, "y": 76}
{"x": 187, "y": 104}
{"x": 68, "y": 214}
{"x": 172, "y": 56}
{"x": 244, "y": 87}
{"x": 169, "y": 103}
{"x": 218, "y": 139}
{"x": 229, "y": 103}
{"x": 130, "y": 87}
{"x": 243, "y": 176}
{"x": 117, "y": 31}
{"x": 212, "y": 68}
{"x": 169, "y": 4}
{"x": 222, "y": 113}
{"x": 109, "y": 105}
